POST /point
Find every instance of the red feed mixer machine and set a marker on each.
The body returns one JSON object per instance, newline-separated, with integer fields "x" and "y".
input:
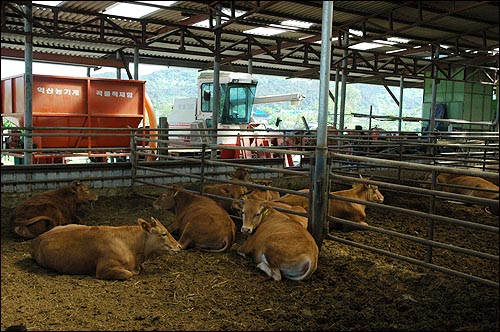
{"x": 79, "y": 102}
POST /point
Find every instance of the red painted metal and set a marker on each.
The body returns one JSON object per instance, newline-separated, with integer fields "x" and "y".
{"x": 84, "y": 102}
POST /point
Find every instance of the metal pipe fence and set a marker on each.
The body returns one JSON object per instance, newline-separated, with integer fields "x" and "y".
{"x": 161, "y": 158}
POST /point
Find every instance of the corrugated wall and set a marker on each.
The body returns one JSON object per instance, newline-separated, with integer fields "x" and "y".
{"x": 464, "y": 101}
{"x": 19, "y": 182}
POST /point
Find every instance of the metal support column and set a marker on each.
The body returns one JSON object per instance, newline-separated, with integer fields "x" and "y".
{"x": 216, "y": 96}
{"x": 318, "y": 204}
{"x": 136, "y": 63}
{"x": 336, "y": 101}
{"x": 343, "y": 84}
{"x": 435, "y": 82}
{"x": 118, "y": 70}
{"x": 28, "y": 89}
{"x": 401, "y": 85}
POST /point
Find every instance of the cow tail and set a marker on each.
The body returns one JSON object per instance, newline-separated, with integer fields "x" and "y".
{"x": 228, "y": 240}
{"x": 21, "y": 227}
{"x": 33, "y": 220}
{"x": 228, "y": 243}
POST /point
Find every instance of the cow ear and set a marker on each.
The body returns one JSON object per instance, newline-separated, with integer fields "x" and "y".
{"x": 238, "y": 205}
{"x": 144, "y": 224}
{"x": 176, "y": 189}
{"x": 155, "y": 222}
{"x": 75, "y": 184}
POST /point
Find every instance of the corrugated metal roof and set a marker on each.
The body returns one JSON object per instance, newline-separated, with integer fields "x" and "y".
{"x": 169, "y": 35}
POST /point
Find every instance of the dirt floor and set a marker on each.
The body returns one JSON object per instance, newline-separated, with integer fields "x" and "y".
{"x": 352, "y": 289}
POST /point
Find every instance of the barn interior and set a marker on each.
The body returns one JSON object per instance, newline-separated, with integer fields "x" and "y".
{"x": 449, "y": 49}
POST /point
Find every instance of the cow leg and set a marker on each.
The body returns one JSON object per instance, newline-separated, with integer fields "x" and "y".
{"x": 349, "y": 228}
{"x": 242, "y": 254}
{"x": 245, "y": 248}
{"x": 174, "y": 227}
{"x": 274, "y": 273}
{"x": 110, "y": 269}
{"x": 185, "y": 241}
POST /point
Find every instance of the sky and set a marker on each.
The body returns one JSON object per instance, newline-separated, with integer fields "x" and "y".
{"x": 16, "y": 67}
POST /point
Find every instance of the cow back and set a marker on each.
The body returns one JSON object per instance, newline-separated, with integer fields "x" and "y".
{"x": 283, "y": 245}
{"x": 295, "y": 200}
{"x": 471, "y": 183}
{"x": 267, "y": 195}
{"x": 202, "y": 223}
{"x": 303, "y": 221}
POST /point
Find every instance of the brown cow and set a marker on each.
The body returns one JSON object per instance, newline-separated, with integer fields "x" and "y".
{"x": 238, "y": 206}
{"x": 267, "y": 195}
{"x": 235, "y": 191}
{"x": 225, "y": 190}
{"x": 279, "y": 246}
{"x": 201, "y": 222}
{"x": 473, "y": 186}
{"x": 241, "y": 174}
{"x": 295, "y": 200}
{"x": 44, "y": 211}
{"x": 229, "y": 190}
{"x": 350, "y": 210}
{"x": 342, "y": 209}
{"x": 108, "y": 252}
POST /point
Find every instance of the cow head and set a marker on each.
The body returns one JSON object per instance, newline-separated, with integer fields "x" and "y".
{"x": 427, "y": 179}
{"x": 254, "y": 211}
{"x": 82, "y": 192}
{"x": 373, "y": 194}
{"x": 166, "y": 201}
{"x": 158, "y": 240}
{"x": 236, "y": 191}
{"x": 241, "y": 174}
{"x": 237, "y": 206}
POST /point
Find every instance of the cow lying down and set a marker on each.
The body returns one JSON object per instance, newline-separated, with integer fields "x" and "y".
{"x": 44, "y": 211}
{"x": 466, "y": 185}
{"x": 279, "y": 245}
{"x": 200, "y": 221}
{"x": 342, "y": 209}
{"x": 108, "y": 252}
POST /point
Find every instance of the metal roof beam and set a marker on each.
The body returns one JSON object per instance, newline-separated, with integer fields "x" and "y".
{"x": 62, "y": 59}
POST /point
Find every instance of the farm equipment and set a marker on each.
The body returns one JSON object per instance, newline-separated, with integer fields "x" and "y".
{"x": 237, "y": 97}
{"x": 86, "y": 104}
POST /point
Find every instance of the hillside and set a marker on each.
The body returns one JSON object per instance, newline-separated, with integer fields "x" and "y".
{"x": 164, "y": 86}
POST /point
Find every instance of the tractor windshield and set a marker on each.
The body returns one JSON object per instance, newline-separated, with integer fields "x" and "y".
{"x": 238, "y": 104}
